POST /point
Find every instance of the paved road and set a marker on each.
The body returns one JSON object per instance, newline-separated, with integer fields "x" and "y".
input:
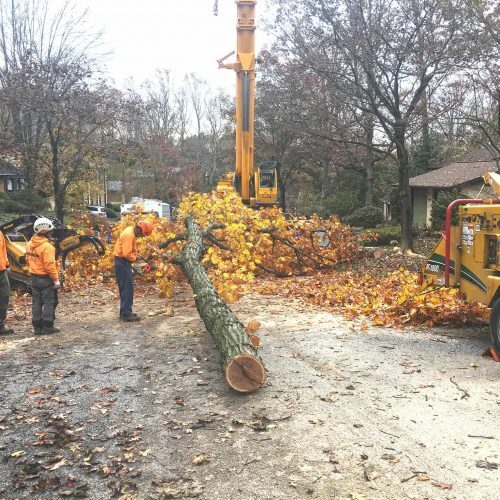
{"x": 142, "y": 411}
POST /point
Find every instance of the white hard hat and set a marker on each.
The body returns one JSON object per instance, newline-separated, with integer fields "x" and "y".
{"x": 43, "y": 225}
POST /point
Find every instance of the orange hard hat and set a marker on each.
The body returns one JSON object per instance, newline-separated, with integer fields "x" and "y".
{"x": 146, "y": 227}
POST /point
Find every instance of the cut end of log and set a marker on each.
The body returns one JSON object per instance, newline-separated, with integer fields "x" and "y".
{"x": 245, "y": 373}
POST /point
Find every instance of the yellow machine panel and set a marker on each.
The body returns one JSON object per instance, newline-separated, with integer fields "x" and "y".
{"x": 469, "y": 259}
{"x": 474, "y": 254}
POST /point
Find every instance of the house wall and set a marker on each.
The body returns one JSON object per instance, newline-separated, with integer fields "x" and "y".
{"x": 472, "y": 190}
{"x": 9, "y": 184}
{"x": 423, "y": 199}
{"x": 420, "y": 207}
{"x": 116, "y": 197}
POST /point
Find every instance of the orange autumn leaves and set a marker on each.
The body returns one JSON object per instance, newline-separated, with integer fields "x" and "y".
{"x": 393, "y": 300}
{"x": 264, "y": 242}
{"x": 260, "y": 241}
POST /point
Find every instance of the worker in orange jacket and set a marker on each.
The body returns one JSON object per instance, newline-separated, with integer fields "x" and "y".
{"x": 125, "y": 255}
{"x": 4, "y": 286}
{"x": 42, "y": 265}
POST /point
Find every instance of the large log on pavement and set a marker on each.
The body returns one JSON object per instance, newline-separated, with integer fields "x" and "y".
{"x": 242, "y": 366}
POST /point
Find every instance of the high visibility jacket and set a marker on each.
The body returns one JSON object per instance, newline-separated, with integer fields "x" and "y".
{"x": 126, "y": 245}
{"x": 41, "y": 257}
{"x": 4, "y": 261}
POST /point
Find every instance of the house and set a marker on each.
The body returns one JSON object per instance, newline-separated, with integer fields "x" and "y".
{"x": 464, "y": 175}
{"x": 11, "y": 178}
{"x": 115, "y": 193}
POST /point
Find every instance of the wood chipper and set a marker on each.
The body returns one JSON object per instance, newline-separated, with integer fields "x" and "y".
{"x": 468, "y": 255}
{"x": 18, "y": 232}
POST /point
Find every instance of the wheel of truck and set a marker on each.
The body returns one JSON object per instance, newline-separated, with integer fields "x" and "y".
{"x": 495, "y": 324}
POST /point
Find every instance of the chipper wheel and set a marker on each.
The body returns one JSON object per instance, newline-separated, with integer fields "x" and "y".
{"x": 495, "y": 325}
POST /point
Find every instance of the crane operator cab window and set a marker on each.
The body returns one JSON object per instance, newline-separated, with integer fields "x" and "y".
{"x": 268, "y": 175}
{"x": 267, "y": 179}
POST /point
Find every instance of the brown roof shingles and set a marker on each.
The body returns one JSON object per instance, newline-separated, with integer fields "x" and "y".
{"x": 467, "y": 168}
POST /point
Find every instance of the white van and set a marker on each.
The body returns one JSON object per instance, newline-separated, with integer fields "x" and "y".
{"x": 157, "y": 206}
{"x": 97, "y": 210}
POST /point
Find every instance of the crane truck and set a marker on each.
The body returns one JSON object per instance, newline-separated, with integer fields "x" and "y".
{"x": 467, "y": 256}
{"x": 257, "y": 185}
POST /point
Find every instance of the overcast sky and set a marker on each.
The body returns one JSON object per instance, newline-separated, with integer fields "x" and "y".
{"x": 181, "y": 35}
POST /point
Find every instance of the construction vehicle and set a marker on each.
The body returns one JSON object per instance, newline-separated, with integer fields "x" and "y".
{"x": 257, "y": 185}
{"x": 467, "y": 256}
{"x": 19, "y": 231}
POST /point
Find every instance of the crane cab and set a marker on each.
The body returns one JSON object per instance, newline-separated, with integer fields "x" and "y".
{"x": 266, "y": 184}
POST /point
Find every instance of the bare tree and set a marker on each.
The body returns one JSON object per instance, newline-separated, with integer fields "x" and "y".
{"x": 387, "y": 54}
{"x": 197, "y": 91}
{"x": 31, "y": 37}
{"x": 217, "y": 109}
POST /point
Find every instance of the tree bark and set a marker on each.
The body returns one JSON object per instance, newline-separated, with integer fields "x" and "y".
{"x": 370, "y": 160}
{"x": 404, "y": 188}
{"x": 242, "y": 366}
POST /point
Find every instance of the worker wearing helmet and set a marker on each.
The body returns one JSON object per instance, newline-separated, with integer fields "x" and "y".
{"x": 4, "y": 286}
{"x": 125, "y": 255}
{"x": 41, "y": 258}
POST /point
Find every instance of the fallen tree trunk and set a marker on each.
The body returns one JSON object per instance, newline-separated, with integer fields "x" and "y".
{"x": 242, "y": 366}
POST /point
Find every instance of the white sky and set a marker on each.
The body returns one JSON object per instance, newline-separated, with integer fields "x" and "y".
{"x": 181, "y": 35}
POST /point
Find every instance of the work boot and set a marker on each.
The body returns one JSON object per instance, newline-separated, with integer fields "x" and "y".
{"x": 47, "y": 330}
{"x": 37, "y": 326}
{"x": 5, "y": 331}
{"x": 130, "y": 319}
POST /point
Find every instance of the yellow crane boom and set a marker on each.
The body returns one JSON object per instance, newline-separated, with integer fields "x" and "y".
{"x": 257, "y": 186}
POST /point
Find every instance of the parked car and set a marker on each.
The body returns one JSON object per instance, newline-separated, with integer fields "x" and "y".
{"x": 96, "y": 210}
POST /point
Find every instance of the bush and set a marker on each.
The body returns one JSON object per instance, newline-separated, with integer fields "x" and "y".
{"x": 341, "y": 204}
{"x": 23, "y": 201}
{"x": 365, "y": 217}
{"x": 438, "y": 213}
{"x": 112, "y": 214}
{"x": 384, "y": 235}
{"x": 114, "y": 206}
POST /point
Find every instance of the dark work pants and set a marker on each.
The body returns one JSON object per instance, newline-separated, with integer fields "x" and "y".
{"x": 4, "y": 296}
{"x": 125, "y": 279}
{"x": 44, "y": 301}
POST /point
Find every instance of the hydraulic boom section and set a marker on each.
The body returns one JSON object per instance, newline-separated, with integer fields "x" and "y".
{"x": 257, "y": 186}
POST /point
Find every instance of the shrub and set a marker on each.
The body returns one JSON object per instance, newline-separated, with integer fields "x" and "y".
{"x": 384, "y": 235}
{"x": 112, "y": 214}
{"x": 23, "y": 201}
{"x": 438, "y": 213}
{"x": 114, "y": 206}
{"x": 341, "y": 204}
{"x": 368, "y": 216}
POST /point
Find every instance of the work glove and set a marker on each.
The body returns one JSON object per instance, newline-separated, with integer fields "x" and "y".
{"x": 56, "y": 285}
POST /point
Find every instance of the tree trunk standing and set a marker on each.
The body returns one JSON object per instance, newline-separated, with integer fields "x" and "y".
{"x": 282, "y": 190}
{"x": 59, "y": 208}
{"x": 369, "y": 180}
{"x": 370, "y": 161}
{"x": 242, "y": 367}
{"x": 497, "y": 114}
{"x": 404, "y": 196}
{"x": 59, "y": 192}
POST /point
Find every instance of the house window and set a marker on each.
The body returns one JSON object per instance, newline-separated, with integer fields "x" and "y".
{"x": 9, "y": 185}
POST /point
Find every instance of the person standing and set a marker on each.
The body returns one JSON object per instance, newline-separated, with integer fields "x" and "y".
{"x": 125, "y": 254}
{"x": 41, "y": 258}
{"x": 4, "y": 286}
